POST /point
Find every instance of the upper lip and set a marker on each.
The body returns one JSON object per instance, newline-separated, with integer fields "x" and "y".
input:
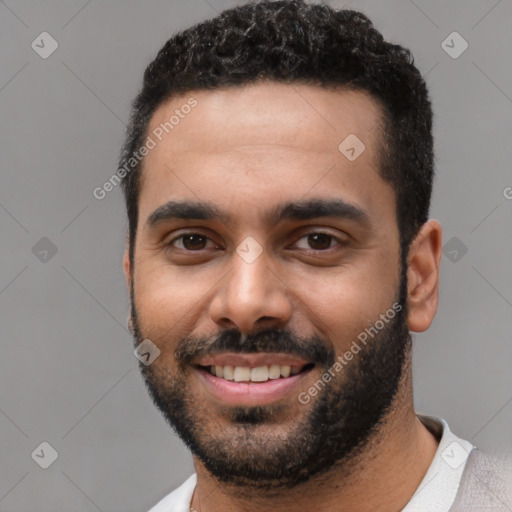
{"x": 249, "y": 360}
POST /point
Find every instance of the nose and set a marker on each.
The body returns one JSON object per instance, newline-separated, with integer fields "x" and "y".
{"x": 251, "y": 297}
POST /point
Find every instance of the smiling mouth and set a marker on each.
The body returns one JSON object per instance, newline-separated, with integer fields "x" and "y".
{"x": 258, "y": 374}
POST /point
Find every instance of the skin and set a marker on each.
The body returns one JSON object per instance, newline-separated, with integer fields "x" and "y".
{"x": 246, "y": 150}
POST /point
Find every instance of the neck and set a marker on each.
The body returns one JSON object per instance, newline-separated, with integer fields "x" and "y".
{"x": 383, "y": 476}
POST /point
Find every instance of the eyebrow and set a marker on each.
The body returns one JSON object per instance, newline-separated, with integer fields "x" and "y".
{"x": 300, "y": 210}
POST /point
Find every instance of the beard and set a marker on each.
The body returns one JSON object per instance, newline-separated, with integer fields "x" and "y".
{"x": 260, "y": 446}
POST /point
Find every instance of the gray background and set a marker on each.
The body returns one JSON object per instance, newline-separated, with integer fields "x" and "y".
{"x": 68, "y": 375}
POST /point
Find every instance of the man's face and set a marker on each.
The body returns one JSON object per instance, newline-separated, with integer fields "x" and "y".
{"x": 290, "y": 243}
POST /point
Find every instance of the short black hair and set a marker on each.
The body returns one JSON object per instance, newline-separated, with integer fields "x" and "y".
{"x": 292, "y": 41}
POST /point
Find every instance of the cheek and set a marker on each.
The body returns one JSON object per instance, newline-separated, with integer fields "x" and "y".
{"x": 342, "y": 303}
{"x": 161, "y": 299}
{"x": 167, "y": 300}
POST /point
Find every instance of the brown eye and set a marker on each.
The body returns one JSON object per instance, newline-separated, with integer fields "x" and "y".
{"x": 317, "y": 241}
{"x": 190, "y": 242}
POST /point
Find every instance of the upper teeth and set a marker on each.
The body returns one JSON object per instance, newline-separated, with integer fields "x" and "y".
{"x": 257, "y": 374}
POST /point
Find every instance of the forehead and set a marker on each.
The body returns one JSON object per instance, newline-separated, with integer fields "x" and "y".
{"x": 306, "y": 116}
{"x": 265, "y": 139}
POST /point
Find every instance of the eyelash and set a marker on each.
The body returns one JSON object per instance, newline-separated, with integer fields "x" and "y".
{"x": 183, "y": 235}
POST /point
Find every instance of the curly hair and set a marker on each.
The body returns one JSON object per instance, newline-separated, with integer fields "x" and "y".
{"x": 292, "y": 41}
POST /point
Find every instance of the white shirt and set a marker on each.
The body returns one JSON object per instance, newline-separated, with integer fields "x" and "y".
{"x": 435, "y": 493}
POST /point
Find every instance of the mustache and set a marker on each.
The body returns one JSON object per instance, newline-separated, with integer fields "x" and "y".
{"x": 313, "y": 348}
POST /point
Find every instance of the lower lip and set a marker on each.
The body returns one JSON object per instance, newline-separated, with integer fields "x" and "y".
{"x": 251, "y": 393}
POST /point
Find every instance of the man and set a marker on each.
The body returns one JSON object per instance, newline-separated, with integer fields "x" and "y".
{"x": 277, "y": 172}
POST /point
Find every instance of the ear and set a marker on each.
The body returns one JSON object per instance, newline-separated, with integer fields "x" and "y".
{"x": 126, "y": 264}
{"x": 423, "y": 264}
